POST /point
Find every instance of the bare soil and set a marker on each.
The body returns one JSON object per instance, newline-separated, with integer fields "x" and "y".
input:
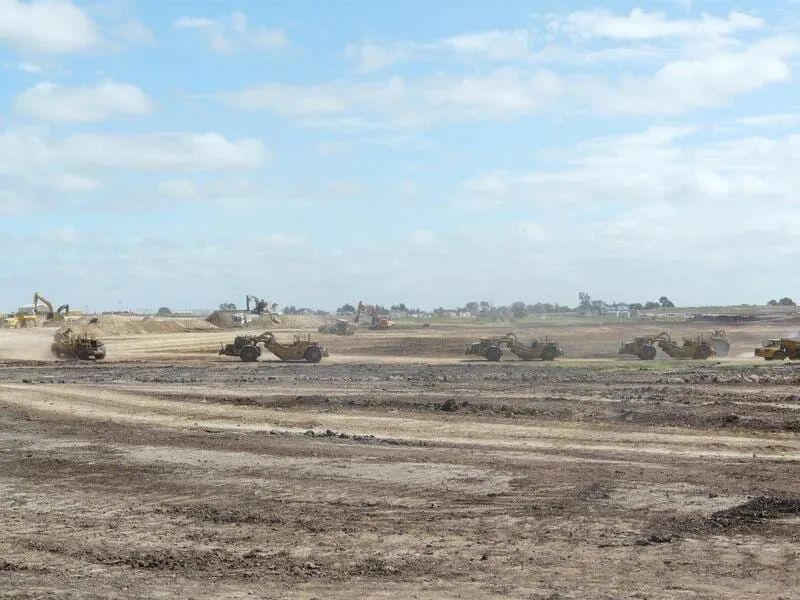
{"x": 170, "y": 472}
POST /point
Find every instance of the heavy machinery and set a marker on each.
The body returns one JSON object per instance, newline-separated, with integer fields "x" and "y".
{"x": 250, "y": 347}
{"x": 68, "y": 343}
{"x": 338, "y": 327}
{"x": 492, "y": 348}
{"x": 645, "y": 347}
{"x": 695, "y": 348}
{"x": 720, "y": 342}
{"x": 378, "y": 320}
{"x": 779, "y": 349}
{"x": 58, "y": 315}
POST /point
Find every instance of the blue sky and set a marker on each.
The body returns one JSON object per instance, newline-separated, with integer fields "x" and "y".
{"x": 187, "y": 153}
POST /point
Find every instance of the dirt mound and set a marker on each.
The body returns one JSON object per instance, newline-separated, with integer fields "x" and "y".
{"x": 290, "y": 322}
{"x": 221, "y": 318}
{"x": 762, "y": 507}
{"x": 114, "y": 325}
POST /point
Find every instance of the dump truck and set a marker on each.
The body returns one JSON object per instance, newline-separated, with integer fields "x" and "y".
{"x": 250, "y": 347}
{"x": 779, "y": 349}
{"x": 492, "y": 348}
{"x": 338, "y": 327}
{"x": 68, "y": 343}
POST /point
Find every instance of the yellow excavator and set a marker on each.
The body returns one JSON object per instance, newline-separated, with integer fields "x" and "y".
{"x": 58, "y": 315}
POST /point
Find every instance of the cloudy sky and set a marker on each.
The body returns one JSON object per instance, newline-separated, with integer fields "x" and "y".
{"x": 187, "y": 153}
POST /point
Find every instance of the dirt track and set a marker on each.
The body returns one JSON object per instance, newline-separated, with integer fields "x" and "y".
{"x": 389, "y": 478}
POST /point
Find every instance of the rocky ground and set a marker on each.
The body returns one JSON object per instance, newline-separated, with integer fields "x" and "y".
{"x": 211, "y": 478}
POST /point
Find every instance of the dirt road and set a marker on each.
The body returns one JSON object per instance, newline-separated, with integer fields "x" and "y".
{"x": 209, "y": 479}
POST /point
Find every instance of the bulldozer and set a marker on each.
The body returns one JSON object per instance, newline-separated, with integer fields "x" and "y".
{"x": 250, "y": 347}
{"x": 68, "y": 343}
{"x": 720, "y": 342}
{"x": 779, "y": 349}
{"x": 492, "y": 348}
{"x": 338, "y": 327}
{"x": 379, "y": 321}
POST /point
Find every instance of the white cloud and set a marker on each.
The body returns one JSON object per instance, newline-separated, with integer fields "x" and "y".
{"x": 641, "y": 25}
{"x": 771, "y": 120}
{"x": 493, "y": 45}
{"x": 54, "y": 102}
{"x": 422, "y": 237}
{"x": 704, "y": 82}
{"x": 500, "y": 94}
{"x": 662, "y": 165}
{"x": 284, "y": 240}
{"x": 136, "y": 32}
{"x": 177, "y": 188}
{"x": 47, "y": 26}
{"x": 233, "y": 33}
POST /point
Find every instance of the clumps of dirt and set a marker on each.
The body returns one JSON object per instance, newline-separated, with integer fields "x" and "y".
{"x": 214, "y": 514}
{"x": 756, "y": 509}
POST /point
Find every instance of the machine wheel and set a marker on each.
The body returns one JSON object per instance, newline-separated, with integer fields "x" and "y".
{"x": 313, "y": 354}
{"x": 549, "y": 353}
{"x": 100, "y": 354}
{"x": 249, "y": 354}
{"x": 702, "y": 353}
{"x": 648, "y": 353}
{"x": 779, "y": 355}
{"x": 494, "y": 354}
{"x": 84, "y": 353}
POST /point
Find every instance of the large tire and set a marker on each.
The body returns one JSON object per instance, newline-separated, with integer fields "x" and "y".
{"x": 494, "y": 354}
{"x": 648, "y": 353}
{"x": 100, "y": 354}
{"x": 249, "y": 354}
{"x": 702, "y": 353}
{"x": 549, "y": 353}
{"x": 779, "y": 355}
{"x": 313, "y": 354}
{"x": 84, "y": 353}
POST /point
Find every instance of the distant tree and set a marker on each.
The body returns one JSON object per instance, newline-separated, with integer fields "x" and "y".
{"x": 787, "y": 302}
{"x": 636, "y": 306}
{"x": 666, "y": 302}
{"x": 518, "y": 310}
{"x": 164, "y": 311}
{"x": 651, "y": 305}
{"x": 346, "y": 308}
{"x": 401, "y": 306}
{"x": 227, "y": 306}
{"x": 290, "y": 310}
{"x": 584, "y": 299}
{"x": 484, "y": 306}
{"x": 772, "y": 302}
{"x": 472, "y": 307}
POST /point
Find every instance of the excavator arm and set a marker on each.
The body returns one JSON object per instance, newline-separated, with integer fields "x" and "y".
{"x": 37, "y": 298}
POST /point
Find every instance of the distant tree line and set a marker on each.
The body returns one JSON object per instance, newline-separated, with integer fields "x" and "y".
{"x": 782, "y": 302}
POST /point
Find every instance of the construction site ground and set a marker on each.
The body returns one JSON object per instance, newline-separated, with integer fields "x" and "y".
{"x": 399, "y": 468}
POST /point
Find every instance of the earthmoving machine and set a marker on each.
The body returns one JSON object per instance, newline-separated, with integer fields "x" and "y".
{"x": 57, "y": 315}
{"x": 695, "y": 348}
{"x": 720, "y": 342}
{"x": 645, "y": 347}
{"x": 779, "y": 349}
{"x": 338, "y": 327}
{"x": 492, "y": 348}
{"x": 68, "y": 343}
{"x": 379, "y": 321}
{"x": 261, "y": 307}
{"x": 250, "y": 347}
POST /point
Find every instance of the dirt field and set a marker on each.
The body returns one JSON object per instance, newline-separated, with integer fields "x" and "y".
{"x": 398, "y": 469}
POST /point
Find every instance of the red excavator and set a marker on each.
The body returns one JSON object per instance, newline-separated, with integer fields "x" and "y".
{"x": 379, "y": 321}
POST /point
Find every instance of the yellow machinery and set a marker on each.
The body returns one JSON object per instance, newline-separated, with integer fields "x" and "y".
{"x": 779, "y": 349}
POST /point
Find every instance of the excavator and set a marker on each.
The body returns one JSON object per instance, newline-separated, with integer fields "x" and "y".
{"x": 379, "y": 321}
{"x": 261, "y": 307}
{"x": 58, "y": 315}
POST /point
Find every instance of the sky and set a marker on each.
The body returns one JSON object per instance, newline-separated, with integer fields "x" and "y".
{"x": 184, "y": 154}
